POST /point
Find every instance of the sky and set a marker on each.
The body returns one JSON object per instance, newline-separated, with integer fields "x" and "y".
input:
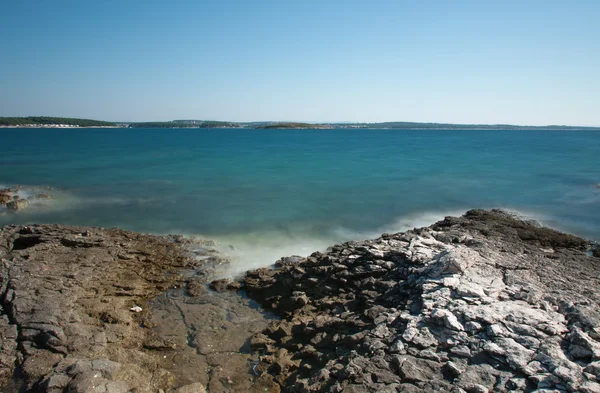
{"x": 533, "y": 62}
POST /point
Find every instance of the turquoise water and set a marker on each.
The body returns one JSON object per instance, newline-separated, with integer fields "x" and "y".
{"x": 294, "y": 190}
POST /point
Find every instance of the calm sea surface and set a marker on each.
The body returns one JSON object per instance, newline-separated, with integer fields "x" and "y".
{"x": 275, "y": 192}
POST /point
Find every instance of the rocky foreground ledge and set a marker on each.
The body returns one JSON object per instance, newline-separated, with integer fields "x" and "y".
{"x": 70, "y": 315}
{"x": 481, "y": 303}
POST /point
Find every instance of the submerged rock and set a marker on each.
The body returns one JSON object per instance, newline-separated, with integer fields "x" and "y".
{"x": 17, "y": 204}
{"x": 5, "y": 198}
{"x": 40, "y": 196}
{"x": 17, "y": 198}
{"x": 470, "y": 304}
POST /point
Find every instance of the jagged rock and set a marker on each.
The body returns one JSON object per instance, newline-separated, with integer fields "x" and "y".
{"x": 589, "y": 387}
{"x": 483, "y": 302}
{"x": 224, "y": 284}
{"x": 470, "y": 304}
{"x": 449, "y": 319}
{"x": 413, "y": 369}
{"x": 454, "y": 369}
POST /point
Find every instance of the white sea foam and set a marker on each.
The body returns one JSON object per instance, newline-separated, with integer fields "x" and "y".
{"x": 400, "y": 224}
{"x": 60, "y": 201}
{"x": 260, "y": 249}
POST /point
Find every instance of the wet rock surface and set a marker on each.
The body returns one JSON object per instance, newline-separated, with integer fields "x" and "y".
{"x": 202, "y": 328}
{"x": 206, "y": 339}
{"x": 73, "y": 306}
{"x": 481, "y": 303}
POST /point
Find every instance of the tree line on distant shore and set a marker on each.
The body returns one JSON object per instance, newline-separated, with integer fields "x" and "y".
{"x": 45, "y": 120}
{"x": 184, "y": 124}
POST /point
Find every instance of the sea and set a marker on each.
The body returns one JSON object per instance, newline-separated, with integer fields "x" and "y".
{"x": 263, "y": 194}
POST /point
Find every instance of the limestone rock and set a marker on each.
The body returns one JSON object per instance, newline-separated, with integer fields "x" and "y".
{"x": 68, "y": 295}
{"x": 470, "y": 304}
{"x": 192, "y": 388}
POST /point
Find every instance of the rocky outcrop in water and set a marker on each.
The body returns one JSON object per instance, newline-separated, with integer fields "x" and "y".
{"x": 481, "y": 303}
{"x": 18, "y": 198}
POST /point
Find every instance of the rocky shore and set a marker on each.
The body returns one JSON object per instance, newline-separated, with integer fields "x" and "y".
{"x": 481, "y": 303}
{"x": 68, "y": 316}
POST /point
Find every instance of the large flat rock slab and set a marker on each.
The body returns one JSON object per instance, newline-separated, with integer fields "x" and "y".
{"x": 66, "y": 322}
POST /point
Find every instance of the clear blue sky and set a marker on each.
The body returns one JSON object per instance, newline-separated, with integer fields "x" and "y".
{"x": 480, "y": 61}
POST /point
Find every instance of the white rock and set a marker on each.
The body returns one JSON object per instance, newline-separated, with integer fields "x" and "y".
{"x": 517, "y": 355}
{"x": 397, "y": 347}
{"x": 449, "y": 319}
{"x": 496, "y": 330}
{"x": 455, "y": 261}
{"x": 451, "y": 282}
{"x": 589, "y": 387}
{"x": 494, "y": 349}
{"x": 409, "y": 334}
{"x": 469, "y": 289}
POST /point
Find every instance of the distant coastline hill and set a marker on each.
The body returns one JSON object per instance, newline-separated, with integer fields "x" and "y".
{"x": 45, "y": 121}
{"x": 447, "y": 126}
{"x": 383, "y": 125}
{"x": 185, "y": 124}
{"x": 42, "y": 121}
{"x": 294, "y": 125}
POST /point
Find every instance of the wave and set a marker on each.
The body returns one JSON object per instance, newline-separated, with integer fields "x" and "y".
{"x": 399, "y": 224}
{"x": 261, "y": 249}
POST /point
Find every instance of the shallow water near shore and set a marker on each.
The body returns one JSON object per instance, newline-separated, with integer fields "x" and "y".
{"x": 271, "y": 193}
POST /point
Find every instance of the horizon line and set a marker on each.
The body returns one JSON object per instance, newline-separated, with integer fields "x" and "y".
{"x": 319, "y": 122}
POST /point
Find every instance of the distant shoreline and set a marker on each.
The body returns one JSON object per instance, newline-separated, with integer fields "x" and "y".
{"x": 58, "y": 126}
{"x": 374, "y": 128}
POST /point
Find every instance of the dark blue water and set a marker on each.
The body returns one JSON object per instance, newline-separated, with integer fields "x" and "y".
{"x": 303, "y": 184}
